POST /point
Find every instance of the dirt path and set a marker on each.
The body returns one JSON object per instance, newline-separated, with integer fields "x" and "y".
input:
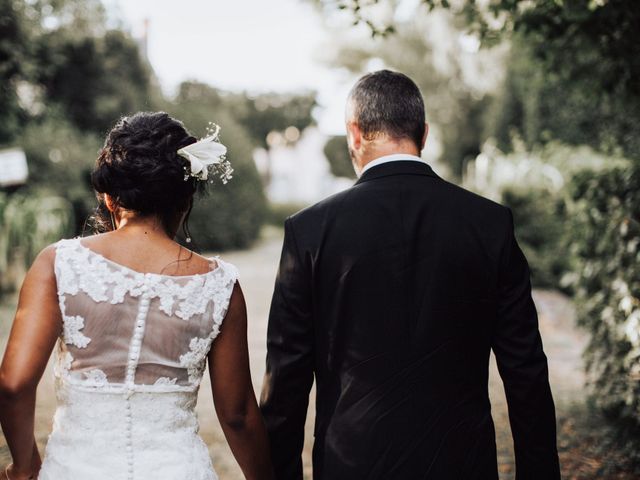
{"x": 563, "y": 345}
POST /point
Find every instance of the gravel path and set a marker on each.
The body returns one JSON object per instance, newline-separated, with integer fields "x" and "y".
{"x": 563, "y": 345}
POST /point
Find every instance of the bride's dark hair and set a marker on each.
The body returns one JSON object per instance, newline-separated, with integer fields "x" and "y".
{"x": 139, "y": 168}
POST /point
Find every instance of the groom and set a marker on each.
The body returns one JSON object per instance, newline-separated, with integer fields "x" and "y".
{"x": 392, "y": 295}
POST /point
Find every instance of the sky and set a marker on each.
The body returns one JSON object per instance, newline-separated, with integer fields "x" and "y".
{"x": 253, "y": 45}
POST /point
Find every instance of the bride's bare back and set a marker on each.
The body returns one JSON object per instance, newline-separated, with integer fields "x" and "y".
{"x": 147, "y": 251}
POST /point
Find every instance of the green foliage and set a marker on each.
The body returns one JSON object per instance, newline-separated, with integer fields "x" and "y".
{"x": 29, "y": 223}
{"x": 95, "y": 80}
{"x": 60, "y": 161}
{"x": 278, "y": 212}
{"x": 573, "y": 71}
{"x": 605, "y": 213}
{"x": 337, "y": 154}
{"x": 59, "y": 52}
{"x": 534, "y": 185}
{"x": 540, "y": 221}
{"x": 454, "y": 107}
{"x": 269, "y": 112}
{"x": 14, "y": 48}
{"x": 66, "y": 78}
{"x": 589, "y": 113}
{"x": 259, "y": 115}
{"x": 231, "y": 215}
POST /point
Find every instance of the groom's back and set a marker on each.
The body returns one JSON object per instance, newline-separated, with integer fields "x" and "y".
{"x": 392, "y": 294}
{"x": 404, "y": 283}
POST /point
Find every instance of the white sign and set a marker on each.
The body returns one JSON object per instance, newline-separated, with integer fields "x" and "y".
{"x": 13, "y": 167}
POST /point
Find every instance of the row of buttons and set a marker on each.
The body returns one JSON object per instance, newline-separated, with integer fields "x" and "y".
{"x": 132, "y": 363}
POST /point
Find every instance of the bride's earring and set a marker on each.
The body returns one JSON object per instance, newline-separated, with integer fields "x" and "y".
{"x": 188, "y": 239}
{"x": 113, "y": 221}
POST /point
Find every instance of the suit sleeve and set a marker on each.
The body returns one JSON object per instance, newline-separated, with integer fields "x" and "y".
{"x": 523, "y": 367}
{"x": 289, "y": 372}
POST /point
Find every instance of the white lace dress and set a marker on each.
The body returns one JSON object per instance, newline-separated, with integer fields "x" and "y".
{"x": 128, "y": 367}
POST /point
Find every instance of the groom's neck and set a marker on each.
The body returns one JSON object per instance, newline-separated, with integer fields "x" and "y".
{"x": 376, "y": 150}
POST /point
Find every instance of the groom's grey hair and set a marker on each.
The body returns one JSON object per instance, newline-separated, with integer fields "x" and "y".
{"x": 386, "y": 102}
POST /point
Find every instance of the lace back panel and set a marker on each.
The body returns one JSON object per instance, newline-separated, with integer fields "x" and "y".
{"x": 126, "y": 331}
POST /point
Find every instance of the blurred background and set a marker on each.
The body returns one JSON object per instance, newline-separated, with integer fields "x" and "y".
{"x": 533, "y": 103}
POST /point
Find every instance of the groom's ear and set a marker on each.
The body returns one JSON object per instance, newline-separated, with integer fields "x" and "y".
{"x": 426, "y": 134}
{"x": 354, "y": 134}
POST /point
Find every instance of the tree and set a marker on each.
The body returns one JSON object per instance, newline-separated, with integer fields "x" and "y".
{"x": 583, "y": 52}
{"x": 448, "y": 76}
{"x": 61, "y": 53}
{"x": 95, "y": 79}
{"x": 15, "y": 41}
{"x": 275, "y": 112}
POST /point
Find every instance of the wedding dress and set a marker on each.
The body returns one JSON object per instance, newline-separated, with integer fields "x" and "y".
{"x": 128, "y": 367}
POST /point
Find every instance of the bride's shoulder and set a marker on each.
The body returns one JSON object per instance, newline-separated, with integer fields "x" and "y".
{"x": 220, "y": 264}
{"x": 44, "y": 262}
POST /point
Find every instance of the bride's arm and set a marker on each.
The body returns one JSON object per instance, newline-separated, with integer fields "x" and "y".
{"x": 233, "y": 394}
{"x": 35, "y": 329}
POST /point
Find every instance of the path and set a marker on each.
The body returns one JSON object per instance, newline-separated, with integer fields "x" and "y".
{"x": 257, "y": 266}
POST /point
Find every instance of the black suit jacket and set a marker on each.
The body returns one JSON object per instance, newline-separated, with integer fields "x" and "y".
{"x": 392, "y": 294}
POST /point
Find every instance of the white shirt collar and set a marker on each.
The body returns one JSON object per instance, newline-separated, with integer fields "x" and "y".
{"x": 391, "y": 158}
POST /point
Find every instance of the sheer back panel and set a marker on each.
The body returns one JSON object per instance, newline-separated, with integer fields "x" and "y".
{"x": 138, "y": 331}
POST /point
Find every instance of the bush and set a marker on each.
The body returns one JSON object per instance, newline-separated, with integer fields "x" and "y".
{"x": 29, "y": 223}
{"x": 605, "y": 212}
{"x": 540, "y": 220}
{"x": 60, "y": 160}
{"x": 534, "y": 185}
{"x": 278, "y": 212}
{"x": 337, "y": 154}
{"x": 231, "y": 215}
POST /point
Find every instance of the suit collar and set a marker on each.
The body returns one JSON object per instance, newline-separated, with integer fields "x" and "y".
{"x": 400, "y": 167}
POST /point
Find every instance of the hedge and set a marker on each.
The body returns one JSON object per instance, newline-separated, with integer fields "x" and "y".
{"x": 28, "y": 224}
{"x": 605, "y": 239}
{"x": 231, "y": 215}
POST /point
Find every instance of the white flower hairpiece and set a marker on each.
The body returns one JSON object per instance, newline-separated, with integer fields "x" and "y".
{"x": 206, "y": 153}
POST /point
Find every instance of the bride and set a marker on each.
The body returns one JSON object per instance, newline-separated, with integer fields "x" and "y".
{"x": 133, "y": 317}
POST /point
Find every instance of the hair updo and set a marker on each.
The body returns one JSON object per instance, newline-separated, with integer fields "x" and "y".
{"x": 139, "y": 168}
